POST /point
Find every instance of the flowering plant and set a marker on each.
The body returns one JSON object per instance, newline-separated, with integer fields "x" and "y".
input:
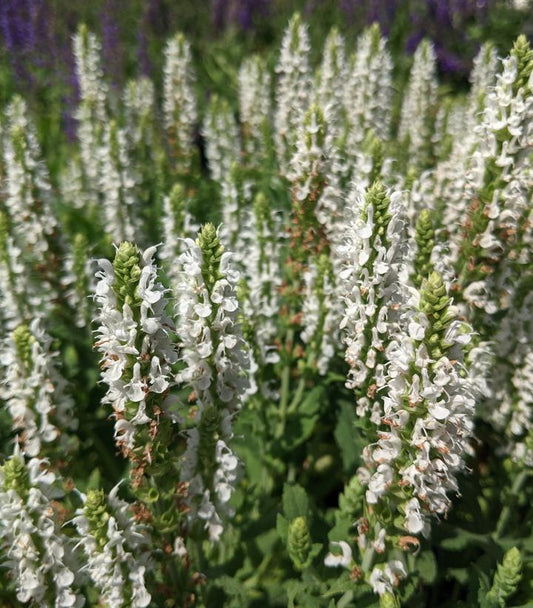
{"x": 324, "y": 400}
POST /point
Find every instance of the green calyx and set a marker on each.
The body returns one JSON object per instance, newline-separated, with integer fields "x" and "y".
{"x": 212, "y": 251}
{"x": 24, "y": 341}
{"x": 95, "y": 511}
{"x": 177, "y": 206}
{"x": 299, "y": 543}
{"x": 127, "y": 273}
{"x": 425, "y": 241}
{"x": 524, "y": 57}
{"x": 388, "y": 600}
{"x": 506, "y": 579}
{"x": 376, "y": 196}
{"x": 434, "y": 303}
{"x": 16, "y": 477}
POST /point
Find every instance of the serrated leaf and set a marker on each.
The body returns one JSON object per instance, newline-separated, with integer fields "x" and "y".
{"x": 295, "y": 501}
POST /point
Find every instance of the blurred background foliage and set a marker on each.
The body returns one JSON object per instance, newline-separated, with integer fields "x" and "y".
{"x": 36, "y": 57}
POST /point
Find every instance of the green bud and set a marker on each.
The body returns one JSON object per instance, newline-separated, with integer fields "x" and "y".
{"x": 351, "y": 500}
{"x": 524, "y": 56}
{"x": 95, "y": 511}
{"x": 506, "y": 579}
{"x": 127, "y": 273}
{"x": 425, "y": 241}
{"x": 212, "y": 251}
{"x": 434, "y": 302}
{"x": 16, "y": 477}
{"x": 177, "y": 206}
{"x": 388, "y": 600}
{"x": 24, "y": 341}
{"x": 299, "y": 543}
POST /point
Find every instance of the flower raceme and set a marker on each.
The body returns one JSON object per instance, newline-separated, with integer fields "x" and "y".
{"x": 137, "y": 352}
{"x": 424, "y": 422}
{"x": 216, "y": 361}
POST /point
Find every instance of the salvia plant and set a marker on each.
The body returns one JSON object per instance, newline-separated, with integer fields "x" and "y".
{"x": 274, "y": 349}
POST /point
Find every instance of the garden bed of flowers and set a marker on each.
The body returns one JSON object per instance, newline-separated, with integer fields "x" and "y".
{"x": 271, "y": 350}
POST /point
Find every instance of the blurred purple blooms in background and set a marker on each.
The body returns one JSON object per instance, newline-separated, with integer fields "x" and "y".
{"x": 36, "y": 35}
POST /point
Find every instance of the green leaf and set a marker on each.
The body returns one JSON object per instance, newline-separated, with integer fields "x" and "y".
{"x": 427, "y": 567}
{"x": 295, "y": 501}
{"x": 460, "y": 539}
{"x": 346, "y": 437}
{"x": 343, "y": 584}
{"x": 282, "y": 526}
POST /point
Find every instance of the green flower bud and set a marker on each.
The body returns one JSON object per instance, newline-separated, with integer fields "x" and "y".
{"x": 299, "y": 543}
{"x": 212, "y": 251}
{"x": 177, "y": 206}
{"x": 506, "y": 579}
{"x": 524, "y": 56}
{"x": 95, "y": 511}
{"x": 425, "y": 241}
{"x": 24, "y": 340}
{"x": 16, "y": 477}
{"x": 435, "y": 302}
{"x": 127, "y": 273}
{"x": 376, "y": 196}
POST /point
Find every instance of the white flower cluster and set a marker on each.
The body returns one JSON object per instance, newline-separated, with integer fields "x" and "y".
{"x": 504, "y": 135}
{"x": 321, "y": 313}
{"x": 176, "y": 222}
{"x": 179, "y": 101}
{"x": 262, "y": 273}
{"x": 254, "y": 106}
{"x": 216, "y": 363}
{"x": 330, "y": 86}
{"x": 116, "y": 184}
{"x": 368, "y": 93}
{"x": 139, "y": 107}
{"x": 416, "y": 123}
{"x": 116, "y": 551}
{"x": 371, "y": 261}
{"x": 31, "y": 217}
{"x": 38, "y": 554}
{"x": 13, "y": 280}
{"x": 293, "y": 89}
{"x": 92, "y": 111}
{"x": 309, "y": 163}
{"x": 133, "y": 338}
{"x": 429, "y": 418}
{"x": 222, "y": 146}
{"x": 34, "y": 391}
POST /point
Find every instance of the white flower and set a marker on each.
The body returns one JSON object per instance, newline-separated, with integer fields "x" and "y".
{"x": 343, "y": 559}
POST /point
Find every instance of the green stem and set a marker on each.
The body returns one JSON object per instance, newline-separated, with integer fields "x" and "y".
{"x": 285, "y": 387}
{"x": 506, "y": 512}
{"x": 297, "y": 396}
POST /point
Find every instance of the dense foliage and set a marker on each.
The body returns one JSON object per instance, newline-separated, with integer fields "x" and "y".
{"x": 271, "y": 349}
